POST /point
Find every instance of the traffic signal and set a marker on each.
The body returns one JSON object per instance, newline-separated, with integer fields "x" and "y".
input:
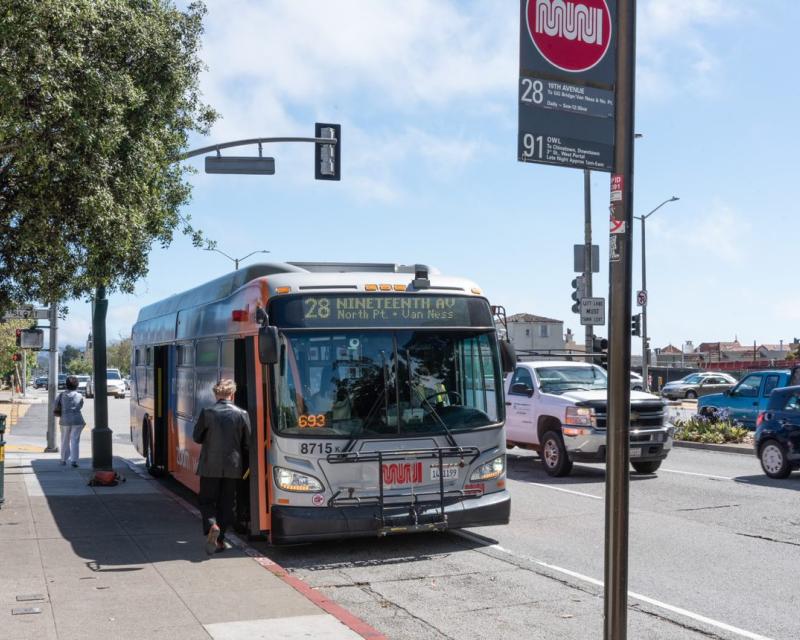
{"x": 328, "y": 157}
{"x": 636, "y": 325}
{"x": 577, "y": 293}
{"x": 17, "y": 357}
{"x": 19, "y": 337}
{"x": 600, "y": 349}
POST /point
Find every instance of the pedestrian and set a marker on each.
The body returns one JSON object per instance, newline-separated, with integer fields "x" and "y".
{"x": 223, "y": 430}
{"x": 68, "y": 409}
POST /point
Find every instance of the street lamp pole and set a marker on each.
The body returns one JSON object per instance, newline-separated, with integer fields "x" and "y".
{"x": 645, "y": 350}
{"x": 236, "y": 261}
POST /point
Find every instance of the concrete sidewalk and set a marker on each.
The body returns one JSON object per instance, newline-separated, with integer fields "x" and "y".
{"x": 82, "y": 562}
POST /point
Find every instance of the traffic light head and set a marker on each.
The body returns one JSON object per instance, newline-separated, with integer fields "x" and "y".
{"x": 636, "y": 325}
{"x": 17, "y": 357}
{"x": 19, "y": 337}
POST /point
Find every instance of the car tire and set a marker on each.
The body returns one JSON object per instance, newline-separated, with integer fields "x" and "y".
{"x": 772, "y": 455}
{"x": 554, "y": 455}
{"x": 638, "y": 388}
{"x": 691, "y": 395}
{"x": 646, "y": 466}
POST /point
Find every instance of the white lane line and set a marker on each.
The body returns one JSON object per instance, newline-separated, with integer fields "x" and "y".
{"x": 576, "y": 493}
{"x": 702, "y": 475}
{"x": 631, "y": 594}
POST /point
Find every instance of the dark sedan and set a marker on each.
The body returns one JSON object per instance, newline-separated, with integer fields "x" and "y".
{"x": 777, "y": 438}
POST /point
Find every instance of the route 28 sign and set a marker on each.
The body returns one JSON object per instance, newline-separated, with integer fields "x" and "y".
{"x": 571, "y": 36}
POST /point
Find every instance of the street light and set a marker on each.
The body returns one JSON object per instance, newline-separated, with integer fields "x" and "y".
{"x": 236, "y": 261}
{"x": 645, "y": 354}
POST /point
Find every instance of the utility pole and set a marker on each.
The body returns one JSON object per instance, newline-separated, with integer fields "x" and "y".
{"x": 587, "y": 251}
{"x": 645, "y": 350}
{"x": 102, "y": 458}
{"x": 52, "y": 379}
{"x": 24, "y": 372}
{"x": 620, "y": 286}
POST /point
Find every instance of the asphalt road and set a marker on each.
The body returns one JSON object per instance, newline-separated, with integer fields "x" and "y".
{"x": 714, "y": 547}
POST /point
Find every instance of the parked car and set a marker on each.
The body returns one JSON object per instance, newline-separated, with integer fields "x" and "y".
{"x": 637, "y": 382}
{"x": 40, "y": 382}
{"x": 559, "y": 408}
{"x": 82, "y": 382}
{"x": 697, "y": 384}
{"x": 777, "y": 437}
{"x": 750, "y": 396}
{"x": 62, "y": 382}
{"x": 115, "y": 385}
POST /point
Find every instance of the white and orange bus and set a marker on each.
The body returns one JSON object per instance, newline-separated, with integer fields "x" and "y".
{"x": 375, "y": 393}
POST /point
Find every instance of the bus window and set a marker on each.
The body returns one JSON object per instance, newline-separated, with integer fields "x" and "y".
{"x": 206, "y": 353}
{"x": 184, "y": 380}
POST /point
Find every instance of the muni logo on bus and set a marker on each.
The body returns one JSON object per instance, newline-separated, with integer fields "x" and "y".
{"x": 572, "y": 36}
{"x": 402, "y": 473}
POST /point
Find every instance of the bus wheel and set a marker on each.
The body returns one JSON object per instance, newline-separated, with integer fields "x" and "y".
{"x": 149, "y": 454}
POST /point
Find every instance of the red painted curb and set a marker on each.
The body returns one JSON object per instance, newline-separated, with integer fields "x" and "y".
{"x": 340, "y": 613}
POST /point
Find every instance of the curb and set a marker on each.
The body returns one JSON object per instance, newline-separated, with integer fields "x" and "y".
{"x": 340, "y": 613}
{"x": 746, "y": 450}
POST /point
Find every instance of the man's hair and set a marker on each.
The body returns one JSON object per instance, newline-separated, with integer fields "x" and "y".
{"x": 225, "y": 388}
{"x": 71, "y": 383}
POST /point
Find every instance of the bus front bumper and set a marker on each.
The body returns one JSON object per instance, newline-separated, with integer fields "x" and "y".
{"x": 292, "y": 525}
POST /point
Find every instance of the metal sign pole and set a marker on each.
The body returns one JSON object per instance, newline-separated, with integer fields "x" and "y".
{"x": 587, "y": 250}
{"x": 620, "y": 277}
{"x": 52, "y": 379}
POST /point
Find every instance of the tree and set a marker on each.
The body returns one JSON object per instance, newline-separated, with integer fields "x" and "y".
{"x": 119, "y": 355}
{"x": 8, "y": 347}
{"x": 70, "y": 354}
{"x": 98, "y": 101}
{"x": 79, "y": 366}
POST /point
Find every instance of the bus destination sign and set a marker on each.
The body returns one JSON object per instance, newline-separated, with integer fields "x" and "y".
{"x": 380, "y": 310}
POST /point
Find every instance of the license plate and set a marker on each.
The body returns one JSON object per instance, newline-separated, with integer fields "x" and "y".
{"x": 636, "y": 453}
{"x": 450, "y": 471}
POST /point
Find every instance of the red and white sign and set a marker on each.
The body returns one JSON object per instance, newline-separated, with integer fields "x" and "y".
{"x": 402, "y": 473}
{"x": 571, "y": 35}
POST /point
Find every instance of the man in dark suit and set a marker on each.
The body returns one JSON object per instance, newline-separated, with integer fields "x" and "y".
{"x": 224, "y": 432}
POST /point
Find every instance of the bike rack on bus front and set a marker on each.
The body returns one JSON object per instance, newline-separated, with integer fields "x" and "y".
{"x": 438, "y": 453}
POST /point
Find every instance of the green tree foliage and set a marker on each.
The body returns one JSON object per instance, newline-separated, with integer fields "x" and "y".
{"x": 98, "y": 100}
{"x": 69, "y": 355}
{"x": 119, "y": 355}
{"x": 8, "y": 347}
{"x": 79, "y": 366}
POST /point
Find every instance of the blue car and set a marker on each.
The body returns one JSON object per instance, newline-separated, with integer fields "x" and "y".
{"x": 749, "y": 397}
{"x": 777, "y": 438}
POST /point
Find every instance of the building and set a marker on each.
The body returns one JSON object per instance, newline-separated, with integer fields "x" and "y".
{"x": 529, "y": 332}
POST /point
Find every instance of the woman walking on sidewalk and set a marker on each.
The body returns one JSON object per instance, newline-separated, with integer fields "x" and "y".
{"x": 68, "y": 407}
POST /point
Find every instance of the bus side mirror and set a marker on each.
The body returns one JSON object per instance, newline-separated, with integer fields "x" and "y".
{"x": 508, "y": 356}
{"x": 268, "y": 344}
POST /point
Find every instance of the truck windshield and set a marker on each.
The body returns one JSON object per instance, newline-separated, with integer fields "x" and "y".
{"x": 561, "y": 379}
{"x": 386, "y": 383}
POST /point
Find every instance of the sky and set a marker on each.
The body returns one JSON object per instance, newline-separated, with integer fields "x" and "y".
{"x": 426, "y": 93}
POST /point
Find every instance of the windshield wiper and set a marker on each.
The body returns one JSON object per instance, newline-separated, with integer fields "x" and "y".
{"x": 382, "y": 398}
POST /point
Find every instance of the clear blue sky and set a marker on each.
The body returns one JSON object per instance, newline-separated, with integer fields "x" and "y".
{"x": 426, "y": 93}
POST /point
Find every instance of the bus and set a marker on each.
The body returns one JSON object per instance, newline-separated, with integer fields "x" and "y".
{"x": 374, "y": 391}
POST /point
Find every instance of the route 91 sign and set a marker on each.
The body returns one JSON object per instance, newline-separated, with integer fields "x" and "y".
{"x": 566, "y": 83}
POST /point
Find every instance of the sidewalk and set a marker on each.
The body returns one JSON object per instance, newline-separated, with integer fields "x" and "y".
{"x": 129, "y": 562}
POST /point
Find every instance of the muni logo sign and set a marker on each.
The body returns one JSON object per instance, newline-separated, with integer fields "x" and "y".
{"x": 402, "y": 473}
{"x": 572, "y": 36}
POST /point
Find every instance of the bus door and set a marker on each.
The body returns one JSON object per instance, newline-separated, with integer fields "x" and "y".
{"x": 252, "y": 504}
{"x": 161, "y": 407}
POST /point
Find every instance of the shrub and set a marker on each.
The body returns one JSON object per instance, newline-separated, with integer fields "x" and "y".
{"x": 718, "y": 430}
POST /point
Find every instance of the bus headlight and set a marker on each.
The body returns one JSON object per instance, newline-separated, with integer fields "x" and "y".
{"x": 580, "y": 416}
{"x": 489, "y": 470}
{"x": 289, "y": 480}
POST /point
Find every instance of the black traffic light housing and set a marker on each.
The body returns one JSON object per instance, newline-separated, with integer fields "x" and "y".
{"x": 17, "y": 357}
{"x": 577, "y": 293}
{"x": 19, "y": 337}
{"x": 328, "y": 157}
{"x": 636, "y": 325}
{"x": 600, "y": 350}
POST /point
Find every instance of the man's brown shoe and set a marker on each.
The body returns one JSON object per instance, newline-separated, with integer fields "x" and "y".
{"x": 211, "y": 539}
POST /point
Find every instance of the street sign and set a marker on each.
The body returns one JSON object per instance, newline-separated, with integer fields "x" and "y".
{"x": 566, "y": 83}
{"x": 31, "y": 339}
{"x": 641, "y": 298}
{"x": 579, "y": 255}
{"x": 26, "y": 312}
{"x": 593, "y": 311}
{"x": 242, "y": 165}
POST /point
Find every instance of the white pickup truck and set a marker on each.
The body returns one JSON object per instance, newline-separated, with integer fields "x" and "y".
{"x": 558, "y": 408}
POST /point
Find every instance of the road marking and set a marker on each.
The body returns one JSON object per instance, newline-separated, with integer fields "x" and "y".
{"x": 702, "y": 475}
{"x": 576, "y": 493}
{"x": 631, "y": 594}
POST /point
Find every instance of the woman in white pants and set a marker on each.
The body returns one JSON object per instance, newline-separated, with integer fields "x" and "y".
{"x": 68, "y": 407}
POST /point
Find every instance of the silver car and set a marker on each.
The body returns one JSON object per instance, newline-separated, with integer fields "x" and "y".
{"x": 697, "y": 384}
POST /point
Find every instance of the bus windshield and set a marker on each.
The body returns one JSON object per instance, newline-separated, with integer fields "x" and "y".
{"x": 386, "y": 383}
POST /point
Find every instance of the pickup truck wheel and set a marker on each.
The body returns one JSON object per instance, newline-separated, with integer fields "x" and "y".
{"x": 773, "y": 460}
{"x": 554, "y": 455}
{"x": 646, "y": 466}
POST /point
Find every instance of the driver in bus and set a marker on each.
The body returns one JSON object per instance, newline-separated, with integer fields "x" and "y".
{"x": 331, "y": 397}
